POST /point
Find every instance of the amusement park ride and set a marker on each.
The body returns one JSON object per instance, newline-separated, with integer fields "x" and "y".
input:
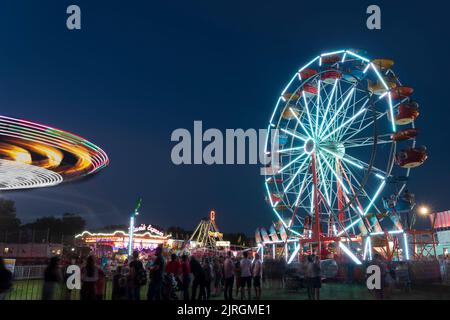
{"x": 33, "y": 155}
{"x": 207, "y": 235}
{"x": 346, "y": 138}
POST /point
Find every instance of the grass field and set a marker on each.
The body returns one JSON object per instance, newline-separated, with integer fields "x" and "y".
{"x": 32, "y": 290}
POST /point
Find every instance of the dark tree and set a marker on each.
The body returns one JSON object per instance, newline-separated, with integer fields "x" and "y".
{"x": 113, "y": 227}
{"x": 237, "y": 238}
{"x": 179, "y": 233}
{"x": 69, "y": 224}
{"x": 72, "y": 224}
{"x": 54, "y": 224}
{"x": 8, "y": 219}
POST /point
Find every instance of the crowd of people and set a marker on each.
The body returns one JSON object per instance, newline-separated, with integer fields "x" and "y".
{"x": 175, "y": 277}
{"x": 186, "y": 277}
{"x": 164, "y": 276}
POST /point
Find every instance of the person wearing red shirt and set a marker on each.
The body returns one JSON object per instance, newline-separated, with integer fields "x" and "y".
{"x": 186, "y": 280}
{"x": 174, "y": 266}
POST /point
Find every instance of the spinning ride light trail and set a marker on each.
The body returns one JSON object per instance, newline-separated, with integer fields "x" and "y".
{"x": 345, "y": 117}
{"x": 33, "y": 155}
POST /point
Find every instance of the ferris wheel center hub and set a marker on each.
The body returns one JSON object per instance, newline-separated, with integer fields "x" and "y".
{"x": 309, "y": 146}
{"x": 337, "y": 148}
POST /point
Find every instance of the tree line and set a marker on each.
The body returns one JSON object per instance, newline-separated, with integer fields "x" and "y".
{"x": 51, "y": 228}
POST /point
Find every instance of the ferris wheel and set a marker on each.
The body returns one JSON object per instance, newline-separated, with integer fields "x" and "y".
{"x": 343, "y": 131}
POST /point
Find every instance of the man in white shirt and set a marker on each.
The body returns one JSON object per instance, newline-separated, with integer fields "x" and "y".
{"x": 257, "y": 274}
{"x": 246, "y": 275}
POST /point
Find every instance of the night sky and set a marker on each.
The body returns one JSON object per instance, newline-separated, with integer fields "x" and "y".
{"x": 140, "y": 69}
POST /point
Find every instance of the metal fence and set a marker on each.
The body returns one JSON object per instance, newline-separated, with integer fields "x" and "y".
{"x": 29, "y": 272}
{"x": 28, "y": 284}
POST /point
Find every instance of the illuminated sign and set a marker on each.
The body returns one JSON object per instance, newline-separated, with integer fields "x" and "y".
{"x": 223, "y": 243}
{"x": 144, "y": 227}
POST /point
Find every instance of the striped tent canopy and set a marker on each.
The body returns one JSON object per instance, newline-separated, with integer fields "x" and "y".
{"x": 442, "y": 219}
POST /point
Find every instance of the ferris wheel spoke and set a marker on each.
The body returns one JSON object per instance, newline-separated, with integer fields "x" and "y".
{"x": 361, "y": 188}
{"x": 288, "y": 150}
{"x": 348, "y": 122}
{"x": 382, "y": 174}
{"x": 368, "y": 140}
{"x": 365, "y": 127}
{"x": 300, "y": 196}
{"x": 375, "y": 196}
{"x": 367, "y": 143}
{"x": 300, "y": 191}
{"x": 330, "y": 99}
{"x": 307, "y": 111}
{"x": 300, "y": 123}
{"x": 295, "y": 135}
{"x": 296, "y": 173}
{"x": 336, "y": 114}
{"x": 345, "y": 128}
{"x": 343, "y": 158}
{"x": 317, "y": 106}
{"x": 290, "y": 163}
{"x": 323, "y": 184}
{"x": 335, "y": 174}
{"x": 352, "y": 180}
{"x": 346, "y": 191}
{"x": 312, "y": 199}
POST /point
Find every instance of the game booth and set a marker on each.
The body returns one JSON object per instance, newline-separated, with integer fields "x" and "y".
{"x": 146, "y": 239}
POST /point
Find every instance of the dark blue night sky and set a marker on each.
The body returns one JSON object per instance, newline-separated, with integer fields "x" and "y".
{"x": 140, "y": 69}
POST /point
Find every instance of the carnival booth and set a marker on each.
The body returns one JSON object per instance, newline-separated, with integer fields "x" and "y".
{"x": 146, "y": 238}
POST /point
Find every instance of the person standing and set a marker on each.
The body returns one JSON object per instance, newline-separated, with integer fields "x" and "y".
{"x": 137, "y": 277}
{"x": 173, "y": 272}
{"x": 316, "y": 278}
{"x": 350, "y": 271}
{"x": 208, "y": 277}
{"x": 199, "y": 280}
{"x": 228, "y": 274}
{"x": 309, "y": 276}
{"x": 174, "y": 266}
{"x": 217, "y": 270}
{"x": 379, "y": 293}
{"x": 156, "y": 276}
{"x": 246, "y": 276}
{"x": 186, "y": 276}
{"x": 119, "y": 285}
{"x": 100, "y": 285}
{"x": 5, "y": 280}
{"x": 52, "y": 278}
{"x": 257, "y": 274}
{"x": 89, "y": 278}
{"x": 237, "y": 275}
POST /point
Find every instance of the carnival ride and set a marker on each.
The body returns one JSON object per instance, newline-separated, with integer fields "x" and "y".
{"x": 342, "y": 137}
{"x": 33, "y": 155}
{"x": 206, "y": 234}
